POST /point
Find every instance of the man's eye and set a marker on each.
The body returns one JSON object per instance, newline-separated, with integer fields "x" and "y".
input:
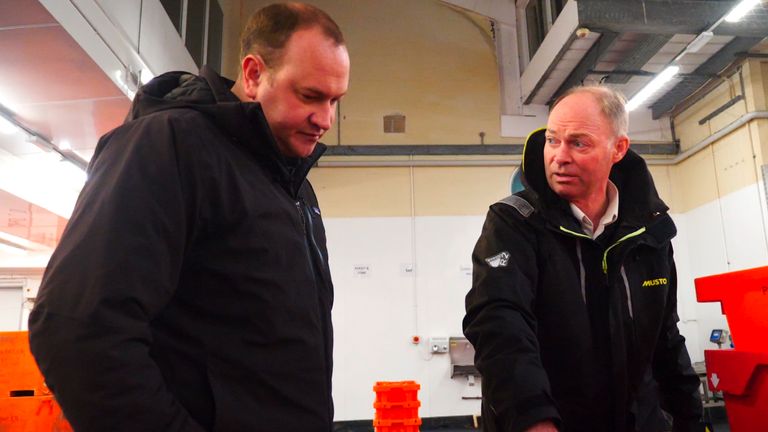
{"x": 579, "y": 144}
{"x": 550, "y": 140}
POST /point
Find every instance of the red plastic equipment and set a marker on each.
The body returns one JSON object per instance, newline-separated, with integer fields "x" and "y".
{"x": 741, "y": 373}
{"x": 397, "y": 406}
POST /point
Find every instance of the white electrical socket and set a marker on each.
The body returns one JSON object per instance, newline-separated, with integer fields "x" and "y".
{"x": 438, "y": 344}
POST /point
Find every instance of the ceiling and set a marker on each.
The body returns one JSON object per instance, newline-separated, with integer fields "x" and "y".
{"x": 51, "y": 84}
{"x": 630, "y": 41}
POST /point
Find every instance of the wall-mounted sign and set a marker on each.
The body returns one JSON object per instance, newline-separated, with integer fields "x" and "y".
{"x": 465, "y": 270}
{"x": 362, "y": 270}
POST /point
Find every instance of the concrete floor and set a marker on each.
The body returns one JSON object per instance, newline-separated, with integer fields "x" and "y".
{"x": 714, "y": 415}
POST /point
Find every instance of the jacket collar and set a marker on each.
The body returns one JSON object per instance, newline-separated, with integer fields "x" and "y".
{"x": 244, "y": 122}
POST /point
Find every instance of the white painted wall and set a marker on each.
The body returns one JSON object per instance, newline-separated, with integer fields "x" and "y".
{"x": 376, "y": 316}
{"x": 721, "y": 236}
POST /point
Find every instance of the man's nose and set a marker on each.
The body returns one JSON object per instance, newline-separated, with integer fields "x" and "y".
{"x": 323, "y": 116}
{"x": 562, "y": 155}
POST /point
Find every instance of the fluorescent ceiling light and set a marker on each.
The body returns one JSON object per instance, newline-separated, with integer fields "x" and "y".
{"x": 71, "y": 173}
{"x": 740, "y": 10}
{"x": 699, "y": 42}
{"x": 652, "y": 87}
{"x": 19, "y": 242}
{"x": 12, "y": 249}
{"x": 6, "y": 127}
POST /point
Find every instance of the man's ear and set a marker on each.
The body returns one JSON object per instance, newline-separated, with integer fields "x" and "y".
{"x": 620, "y": 148}
{"x": 252, "y": 70}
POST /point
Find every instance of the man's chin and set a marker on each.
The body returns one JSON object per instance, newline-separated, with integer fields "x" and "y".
{"x": 298, "y": 149}
{"x": 562, "y": 191}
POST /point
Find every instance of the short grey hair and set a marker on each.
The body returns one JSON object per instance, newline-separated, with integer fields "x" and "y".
{"x": 612, "y": 104}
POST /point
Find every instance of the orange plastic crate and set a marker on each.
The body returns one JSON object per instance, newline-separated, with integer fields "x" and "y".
{"x": 32, "y": 414}
{"x": 19, "y": 370}
{"x": 397, "y": 410}
{"x": 397, "y": 406}
{"x": 403, "y": 425}
{"x": 396, "y": 391}
{"x": 26, "y": 403}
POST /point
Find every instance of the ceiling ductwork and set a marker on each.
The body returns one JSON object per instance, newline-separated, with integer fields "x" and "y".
{"x": 634, "y": 40}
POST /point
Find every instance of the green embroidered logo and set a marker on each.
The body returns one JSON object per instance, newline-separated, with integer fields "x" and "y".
{"x": 655, "y": 282}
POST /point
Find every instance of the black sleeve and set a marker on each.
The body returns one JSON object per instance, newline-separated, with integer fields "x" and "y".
{"x": 114, "y": 270}
{"x": 678, "y": 382}
{"x": 501, "y": 325}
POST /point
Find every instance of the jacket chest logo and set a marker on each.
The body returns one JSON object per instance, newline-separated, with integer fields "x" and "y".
{"x": 655, "y": 282}
{"x": 498, "y": 260}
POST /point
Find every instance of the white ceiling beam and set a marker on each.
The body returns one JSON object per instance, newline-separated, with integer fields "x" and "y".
{"x": 503, "y": 13}
{"x": 98, "y": 29}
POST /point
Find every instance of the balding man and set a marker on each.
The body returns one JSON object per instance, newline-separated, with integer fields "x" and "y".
{"x": 572, "y": 310}
{"x": 191, "y": 290}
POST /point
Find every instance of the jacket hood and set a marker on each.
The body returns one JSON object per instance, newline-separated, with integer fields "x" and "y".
{"x": 639, "y": 202}
{"x": 209, "y": 93}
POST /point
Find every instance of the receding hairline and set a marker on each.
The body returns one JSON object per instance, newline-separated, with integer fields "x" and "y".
{"x": 612, "y": 104}
{"x": 270, "y": 28}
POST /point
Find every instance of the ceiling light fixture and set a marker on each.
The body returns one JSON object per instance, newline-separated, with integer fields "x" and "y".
{"x": 12, "y": 249}
{"x": 36, "y": 138}
{"x": 6, "y": 127}
{"x": 20, "y": 243}
{"x": 694, "y": 46}
{"x": 652, "y": 87}
{"x": 741, "y": 9}
{"x": 699, "y": 42}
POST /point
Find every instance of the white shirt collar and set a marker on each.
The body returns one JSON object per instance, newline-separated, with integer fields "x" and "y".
{"x": 610, "y": 216}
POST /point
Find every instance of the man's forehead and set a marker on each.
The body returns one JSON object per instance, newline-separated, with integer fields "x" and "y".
{"x": 577, "y": 114}
{"x": 569, "y": 132}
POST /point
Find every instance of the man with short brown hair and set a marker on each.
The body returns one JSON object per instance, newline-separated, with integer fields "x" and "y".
{"x": 568, "y": 336}
{"x": 191, "y": 289}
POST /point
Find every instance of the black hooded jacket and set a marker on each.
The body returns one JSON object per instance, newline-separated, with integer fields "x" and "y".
{"x": 191, "y": 289}
{"x": 579, "y": 331}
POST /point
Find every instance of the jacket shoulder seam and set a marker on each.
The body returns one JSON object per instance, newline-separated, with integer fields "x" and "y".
{"x": 518, "y": 203}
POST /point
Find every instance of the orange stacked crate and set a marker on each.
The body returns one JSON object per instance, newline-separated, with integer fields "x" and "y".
{"x": 26, "y": 404}
{"x": 741, "y": 373}
{"x": 397, "y": 406}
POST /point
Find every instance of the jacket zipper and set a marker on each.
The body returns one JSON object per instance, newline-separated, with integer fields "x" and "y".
{"x": 629, "y": 294}
{"x": 628, "y": 236}
{"x": 605, "y": 262}
{"x": 308, "y": 231}
{"x": 582, "y": 273}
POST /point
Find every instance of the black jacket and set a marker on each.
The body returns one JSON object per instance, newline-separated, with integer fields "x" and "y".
{"x": 191, "y": 288}
{"x": 580, "y": 331}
